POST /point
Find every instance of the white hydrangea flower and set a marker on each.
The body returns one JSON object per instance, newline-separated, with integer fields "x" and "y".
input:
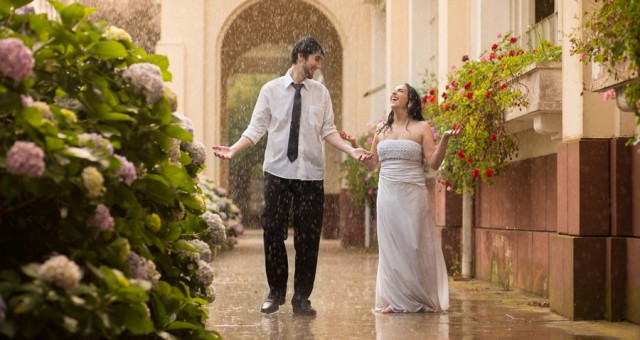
{"x": 146, "y": 80}
{"x": 211, "y": 294}
{"x": 144, "y": 284}
{"x": 44, "y": 110}
{"x": 205, "y": 274}
{"x": 60, "y": 271}
{"x": 93, "y": 181}
{"x": 183, "y": 121}
{"x": 204, "y": 251}
{"x": 116, "y": 33}
{"x": 142, "y": 268}
{"x": 216, "y": 227}
{"x": 174, "y": 152}
{"x": 197, "y": 151}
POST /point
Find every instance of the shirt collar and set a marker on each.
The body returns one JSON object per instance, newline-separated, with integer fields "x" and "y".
{"x": 288, "y": 80}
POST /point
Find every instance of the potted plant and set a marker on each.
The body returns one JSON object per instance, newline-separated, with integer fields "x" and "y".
{"x": 476, "y": 97}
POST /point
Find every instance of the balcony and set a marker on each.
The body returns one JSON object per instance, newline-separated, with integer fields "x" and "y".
{"x": 605, "y": 77}
{"x": 541, "y": 83}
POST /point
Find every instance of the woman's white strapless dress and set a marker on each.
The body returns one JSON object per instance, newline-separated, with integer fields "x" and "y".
{"x": 412, "y": 276}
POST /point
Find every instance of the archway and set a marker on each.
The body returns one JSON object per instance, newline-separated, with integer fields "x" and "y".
{"x": 258, "y": 42}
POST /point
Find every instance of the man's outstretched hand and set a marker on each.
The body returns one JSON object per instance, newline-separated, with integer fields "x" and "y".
{"x": 223, "y": 152}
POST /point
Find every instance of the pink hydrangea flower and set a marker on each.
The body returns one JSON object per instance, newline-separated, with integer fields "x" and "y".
{"x": 25, "y": 159}
{"x": 16, "y": 59}
{"x": 127, "y": 171}
{"x": 102, "y": 218}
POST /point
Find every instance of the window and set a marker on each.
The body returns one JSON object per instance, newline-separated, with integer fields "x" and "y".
{"x": 544, "y": 8}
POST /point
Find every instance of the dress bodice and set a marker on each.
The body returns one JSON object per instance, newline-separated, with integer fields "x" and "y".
{"x": 401, "y": 161}
{"x": 399, "y": 149}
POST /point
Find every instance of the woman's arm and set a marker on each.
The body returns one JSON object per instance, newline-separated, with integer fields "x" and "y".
{"x": 434, "y": 154}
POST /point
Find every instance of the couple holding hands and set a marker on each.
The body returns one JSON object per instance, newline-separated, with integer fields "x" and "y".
{"x": 296, "y": 111}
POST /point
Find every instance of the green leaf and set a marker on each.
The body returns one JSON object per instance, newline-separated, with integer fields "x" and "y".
{"x": 109, "y": 50}
{"x": 71, "y": 14}
{"x": 190, "y": 201}
{"x": 159, "y": 60}
{"x": 156, "y": 190}
{"x": 159, "y": 312}
{"x": 163, "y": 288}
{"x": 134, "y": 318}
{"x": 176, "y": 131}
{"x": 33, "y": 117}
{"x": 54, "y": 143}
{"x": 174, "y": 231}
{"x": 117, "y": 117}
{"x": 132, "y": 294}
{"x": 18, "y": 3}
{"x": 31, "y": 269}
{"x": 79, "y": 153}
{"x": 184, "y": 245}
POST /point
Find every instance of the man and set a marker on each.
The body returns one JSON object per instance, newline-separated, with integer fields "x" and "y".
{"x": 297, "y": 114}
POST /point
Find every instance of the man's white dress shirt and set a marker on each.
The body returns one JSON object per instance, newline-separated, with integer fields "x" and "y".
{"x": 272, "y": 115}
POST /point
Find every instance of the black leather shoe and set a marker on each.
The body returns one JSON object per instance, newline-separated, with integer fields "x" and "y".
{"x": 303, "y": 308}
{"x": 272, "y": 303}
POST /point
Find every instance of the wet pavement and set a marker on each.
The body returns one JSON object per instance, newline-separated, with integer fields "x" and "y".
{"x": 344, "y": 294}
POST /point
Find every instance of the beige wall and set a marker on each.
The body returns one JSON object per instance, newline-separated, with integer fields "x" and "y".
{"x": 384, "y": 43}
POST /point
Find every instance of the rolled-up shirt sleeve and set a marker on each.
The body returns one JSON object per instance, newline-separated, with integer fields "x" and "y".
{"x": 328, "y": 125}
{"x": 260, "y": 118}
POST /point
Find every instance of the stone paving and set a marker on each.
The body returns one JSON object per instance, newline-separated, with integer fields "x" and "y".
{"x": 344, "y": 294}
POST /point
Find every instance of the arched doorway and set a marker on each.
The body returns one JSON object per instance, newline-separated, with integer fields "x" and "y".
{"x": 256, "y": 48}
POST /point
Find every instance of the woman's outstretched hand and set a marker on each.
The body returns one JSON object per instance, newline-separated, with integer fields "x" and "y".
{"x": 455, "y": 131}
{"x": 361, "y": 154}
{"x": 349, "y": 138}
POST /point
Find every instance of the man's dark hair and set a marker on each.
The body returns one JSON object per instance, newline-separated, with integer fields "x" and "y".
{"x": 306, "y": 46}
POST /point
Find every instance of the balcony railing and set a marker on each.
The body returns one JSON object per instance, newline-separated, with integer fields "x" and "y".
{"x": 545, "y": 29}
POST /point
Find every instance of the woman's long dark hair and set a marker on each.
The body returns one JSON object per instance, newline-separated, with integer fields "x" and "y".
{"x": 414, "y": 109}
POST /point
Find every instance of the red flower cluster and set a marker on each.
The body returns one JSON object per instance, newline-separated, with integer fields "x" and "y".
{"x": 493, "y": 137}
{"x": 489, "y": 173}
{"x": 494, "y": 47}
{"x": 476, "y": 173}
{"x": 488, "y": 95}
{"x": 469, "y": 95}
{"x": 461, "y": 154}
{"x": 465, "y": 58}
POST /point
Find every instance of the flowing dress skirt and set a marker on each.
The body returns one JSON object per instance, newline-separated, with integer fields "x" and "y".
{"x": 412, "y": 276}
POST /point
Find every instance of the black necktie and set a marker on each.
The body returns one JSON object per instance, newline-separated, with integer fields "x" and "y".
{"x": 292, "y": 147}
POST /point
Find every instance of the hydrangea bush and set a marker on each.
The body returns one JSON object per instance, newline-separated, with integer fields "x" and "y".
{"x": 476, "y": 97}
{"x": 229, "y": 218}
{"x": 101, "y": 212}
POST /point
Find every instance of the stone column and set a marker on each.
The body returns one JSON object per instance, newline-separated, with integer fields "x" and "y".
{"x": 584, "y": 278}
{"x": 398, "y": 43}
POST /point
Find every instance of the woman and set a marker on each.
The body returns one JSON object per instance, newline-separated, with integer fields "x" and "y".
{"x": 412, "y": 276}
